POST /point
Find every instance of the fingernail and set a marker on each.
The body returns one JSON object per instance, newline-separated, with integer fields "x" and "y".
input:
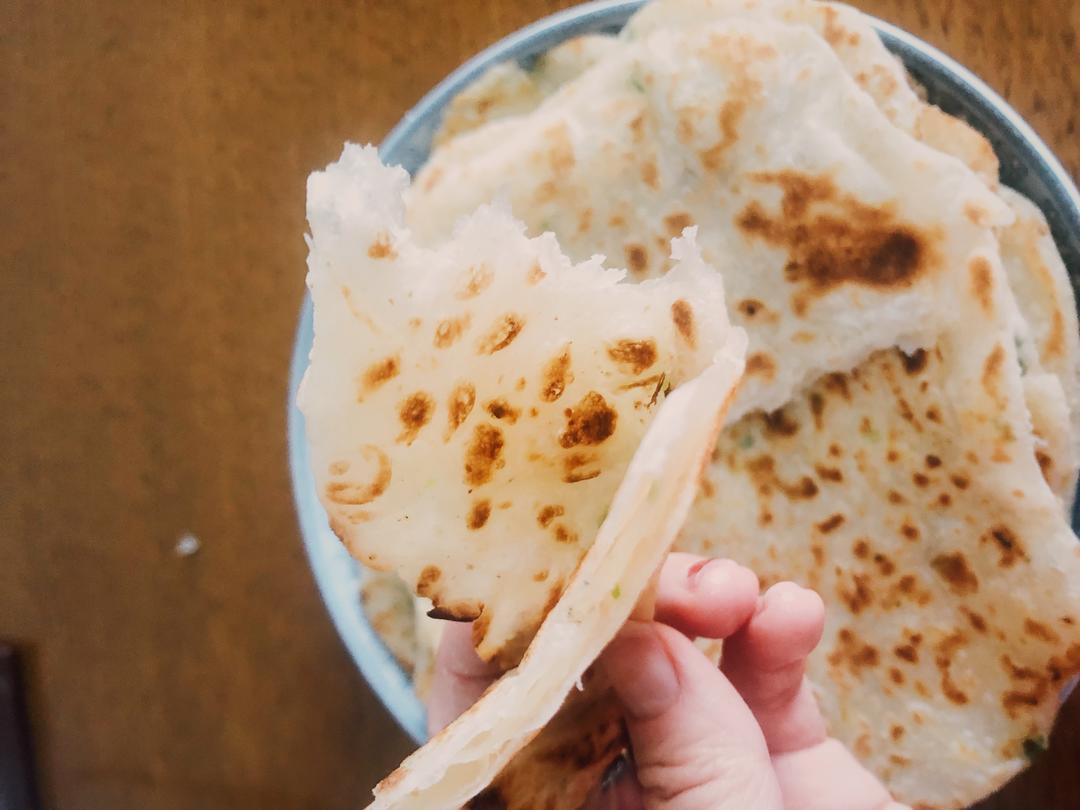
{"x": 640, "y": 671}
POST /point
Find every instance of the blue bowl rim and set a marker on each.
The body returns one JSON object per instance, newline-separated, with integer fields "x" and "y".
{"x": 336, "y": 573}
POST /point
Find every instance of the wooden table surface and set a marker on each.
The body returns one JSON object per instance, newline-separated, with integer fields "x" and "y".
{"x": 152, "y": 167}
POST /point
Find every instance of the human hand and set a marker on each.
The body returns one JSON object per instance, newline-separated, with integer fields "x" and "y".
{"x": 746, "y": 735}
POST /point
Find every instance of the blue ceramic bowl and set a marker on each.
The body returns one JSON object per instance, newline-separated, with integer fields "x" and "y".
{"x": 1026, "y": 164}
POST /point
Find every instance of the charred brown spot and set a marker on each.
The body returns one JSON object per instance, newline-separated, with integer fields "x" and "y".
{"x": 381, "y": 248}
{"x": 817, "y": 551}
{"x": 762, "y": 470}
{"x": 907, "y": 652}
{"x": 920, "y": 480}
{"x": 833, "y": 238}
{"x": 861, "y": 548}
{"x": 338, "y": 468}
{"x": 565, "y": 535}
{"x": 414, "y": 412}
{"x": 977, "y": 622}
{"x": 932, "y": 461}
{"x": 1005, "y": 540}
{"x": 429, "y": 576}
{"x": 915, "y": 362}
{"x": 1045, "y": 462}
{"x": 479, "y": 514}
{"x": 459, "y": 406}
{"x": 541, "y": 576}
{"x": 838, "y": 384}
{"x": 483, "y": 455}
{"x": 477, "y": 279}
{"x": 682, "y": 315}
{"x": 761, "y": 363}
{"x": 982, "y": 283}
{"x": 817, "y": 408}
{"x": 549, "y": 513}
{"x": 378, "y": 374}
{"x": 954, "y": 569}
{"x": 349, "y": 493}
{"x": 1040, "y": 631}
{"x": 502, "y": 334}
{"x": 859, "y": 596}
{"x": 896, "y": 498}
{"x": 886, "y": 566}
{"x": 831, "y": 523}
{"x": 637, "y": 257}
{"x": 503, "y": 410}
{"x": 945, "y": 651}
{"x": 572, "y": 468}
{"x": 959, "y": 481}
{"x": 650, "y": 174}
{"x": 465, "y": 611}
{"x": 853, "y": 653}
{"x": 634, "y": 355}
{"x": 933, "y": 414}
{"x": 828, "y": 473}
{"x": 750, "y": 307}
{"x": 992, "y": 371}
{"x": 678, "y": 222}
{"x": 556, "y": 376}
{"x": 589, "y": 422}
{"x": 448, "y": 331}
{"x": 780, "y": 423}
{"x": 897, "y": 731}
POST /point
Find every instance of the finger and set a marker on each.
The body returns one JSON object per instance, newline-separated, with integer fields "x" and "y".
{"x": 705, "y": 597}
{"x": 766, "y": 662}
{"x": 827, "y": 776}
{"x": 696, "y": 744}
{"x": 460, "y": 676}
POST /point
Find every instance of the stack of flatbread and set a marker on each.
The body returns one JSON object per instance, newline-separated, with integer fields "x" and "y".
{"x": 905, "y": 438}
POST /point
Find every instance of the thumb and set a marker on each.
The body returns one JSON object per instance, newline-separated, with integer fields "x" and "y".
{"x": 696, "y": 744}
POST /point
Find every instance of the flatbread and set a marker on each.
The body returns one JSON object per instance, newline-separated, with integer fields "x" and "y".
{"x": 807, "y": 177}
{"x": 646, "y": 514}
{"x": 468, "y": 413}
{"x": 907, "y": 492}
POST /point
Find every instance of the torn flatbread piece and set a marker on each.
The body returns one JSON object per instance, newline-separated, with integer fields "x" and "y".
{"x": 472, "y": 409}
{"x": 646, "y": 514}
{"x": 907, "y": 492}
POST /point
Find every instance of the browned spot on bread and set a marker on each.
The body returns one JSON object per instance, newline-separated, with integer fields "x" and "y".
{"x": 857, "y": 597}
{"x": 1041, "y": 631}
{"x": 429, "y": 576}
{"x": 932, "y": 461}
{"x": 480, "y": 628}
{"x": 1005, "y": 540}
{"x": 633, "y": 355}
{"x": 540, "y": 576}
{"x": 977, "y": 622}
{"x": 464, "y": 611}
{"x": 944, "y": 499}
{"x": 945, "y": 650}
{"x": 501, "y": 335}
{"x": 817, "y": 551}
{"x": 780, "y": 423}
{"x": 501, "y": 409}
{"x": 351, "y": 493}
{"x": 954, "y": 569}
{"x": 910, "y": 531}
{"x": 828, "y": 473}
{"x": 449, "y": 330}
{"x": 750, "y": 307}
{"x": 896, "y": 498}
{"x": 676, "y": 223}
{"x": 762, "y": 470}
{"x": 933, "y": 414}
{"x": 682, "y": 315}
{"x": 549, "y": 513}
{"x": 896, "y": 731}
{"x": 907, "y": 652}
{"x": 414, "y": 412}
{"x": 589, "y": 422}
{"x": 477, "y": 279}
{"x": 536, "y": 274}
{"x": 572, "y": 468}
{"x": 761, "y": 363}
{"x": 914, "y": 362}
{"x": 378, "y": 374}
{"x": 838, "y": 384}
{"x": 861, "y": 548}
{"x": 886, "y": 566}
{"x": 338, "y": 468}
{"x": 992, "y": 371}
{"x": 650, "y": 174}
{"x": 920, "y": 480}
{"x": 982, "y": 284}
{"x": 817, "y": 408}
{"x": 483, "y": 455}
{"x": 381, "y": 248}
{"x": 555, "y": 377}
{"x": 853, "y": 653}
{"x": 1045, "y": 462}
{"x": 637, "y": 257}
{"x": 831, "y": 523}
{"x": 565, "y": 535}
{"x": 833, "y": 238}
{"x": 479, "y": 514}
{"x": 459, "y": 406}
{"x": 560, "y": 154}
{"x": 959, "y": 481}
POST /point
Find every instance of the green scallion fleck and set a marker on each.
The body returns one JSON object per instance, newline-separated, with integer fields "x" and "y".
{"x": 616, "y": 592}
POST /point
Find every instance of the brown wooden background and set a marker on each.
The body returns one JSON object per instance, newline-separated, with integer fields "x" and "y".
{"x": 152, "y": 166}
